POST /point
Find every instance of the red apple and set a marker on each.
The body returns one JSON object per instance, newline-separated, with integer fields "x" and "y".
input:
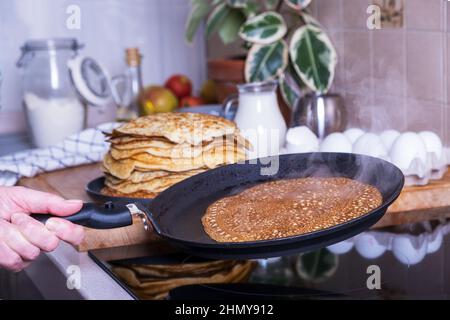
{"x": 191, "y": 101}
{"x": 180, "y": 85}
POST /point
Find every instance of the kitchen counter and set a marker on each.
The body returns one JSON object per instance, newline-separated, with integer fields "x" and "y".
{"x": 51, "y": 272}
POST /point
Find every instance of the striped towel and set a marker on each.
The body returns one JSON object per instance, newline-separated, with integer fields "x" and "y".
{"x": 85, "y": 147}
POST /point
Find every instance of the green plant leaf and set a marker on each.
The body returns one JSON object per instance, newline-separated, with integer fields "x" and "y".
{"x": 290, "y": 86}
{"x": 265, "y": 62}
{"x": 297, "y": 4}
{"x": 216, "y": 18}
{"x": 317, "y": 266}
{"x": 237, "y": 3}
{"x": 314, "y": 57}
{"x": 251, "y": 9}
{"x": 199, "y": 10}
{"x": 229, "y": 30}
{"x": 264, "y": 28}
{"x": 271, "y": 4}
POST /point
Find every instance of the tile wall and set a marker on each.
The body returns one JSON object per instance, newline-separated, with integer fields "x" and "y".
{"x": 392, "y": 78}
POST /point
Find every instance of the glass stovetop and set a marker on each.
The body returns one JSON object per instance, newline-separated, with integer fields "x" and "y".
{"x": 405, "y": 261}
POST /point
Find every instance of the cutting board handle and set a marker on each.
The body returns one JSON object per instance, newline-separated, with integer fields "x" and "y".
{"x": 107, "y": 216}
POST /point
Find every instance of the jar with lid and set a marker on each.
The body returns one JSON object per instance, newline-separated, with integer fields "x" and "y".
{"x": 51, "y": 103}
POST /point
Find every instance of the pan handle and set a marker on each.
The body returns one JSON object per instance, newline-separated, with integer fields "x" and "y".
{"x": 107, "y": 216}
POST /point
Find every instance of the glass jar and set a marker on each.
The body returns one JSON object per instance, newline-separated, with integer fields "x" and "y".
{"x": 52, "y": 107}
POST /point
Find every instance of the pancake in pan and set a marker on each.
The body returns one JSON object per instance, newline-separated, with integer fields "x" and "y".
{"x": 289, "y": 207}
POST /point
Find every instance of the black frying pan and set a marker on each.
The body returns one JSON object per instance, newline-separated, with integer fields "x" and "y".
{"x": 176, "y": 213}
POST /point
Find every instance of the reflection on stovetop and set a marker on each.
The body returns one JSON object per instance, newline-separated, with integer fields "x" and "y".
{"x": 406, "y": 261}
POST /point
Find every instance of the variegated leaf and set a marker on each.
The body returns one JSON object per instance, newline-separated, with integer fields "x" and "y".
{"x": 216, "y": 18}
{"x": 264, "y": 28}
{"x": 265, "y": 62}
{"x": 229, "y": 29}
{"x": 237, "y": 3}
{"x": 290, "y": 87}
{"x": 251, "y": 9}
{"x": 297, "y": 4}
{"x": 314, "y": 57}
{"x": 199, "y": 10}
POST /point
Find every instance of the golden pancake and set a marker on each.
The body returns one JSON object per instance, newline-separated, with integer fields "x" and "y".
{"x": 157, "y": 287}
{"x": 178, "y": 151}
{"x": 122, "y": 169}
{"x": 289, "y": 207}
{"x": 177, "y": 270}
{"x": 140, "y": 194}
{"x": 192, "y": 128}
{"x": 155, "y": 185}
{"x": 124, "y": 140}
{"x": 140, "y": 176}
{"x": 137, "y": 176}
{"x": 127, "y": 142}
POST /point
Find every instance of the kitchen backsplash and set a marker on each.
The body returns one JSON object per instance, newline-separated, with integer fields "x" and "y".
{"x": 392, "y": 77}
{"x": 106, "y": 29}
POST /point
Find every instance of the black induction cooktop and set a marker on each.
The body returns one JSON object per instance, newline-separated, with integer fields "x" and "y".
{"x": 402, "y": 262}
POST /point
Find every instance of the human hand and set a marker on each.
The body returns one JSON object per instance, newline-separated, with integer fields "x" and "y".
{"x": 21, "y": 237}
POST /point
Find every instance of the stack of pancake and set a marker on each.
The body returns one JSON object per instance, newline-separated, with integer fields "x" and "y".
{"x": 155, "y": 281}
{"x": 150, "y": 154}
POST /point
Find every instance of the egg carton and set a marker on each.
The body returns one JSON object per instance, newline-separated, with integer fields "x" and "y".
{"x": 407, "y": 247}
{"x": 420, "y": 173}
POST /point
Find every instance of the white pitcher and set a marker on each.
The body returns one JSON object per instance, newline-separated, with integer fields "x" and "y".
{"x": 258, "y": 117}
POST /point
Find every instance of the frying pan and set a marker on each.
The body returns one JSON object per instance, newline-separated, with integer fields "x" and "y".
{"x": 176, "y": 213}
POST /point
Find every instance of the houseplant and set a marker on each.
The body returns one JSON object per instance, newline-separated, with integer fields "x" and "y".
{"x": 283, "y": 40}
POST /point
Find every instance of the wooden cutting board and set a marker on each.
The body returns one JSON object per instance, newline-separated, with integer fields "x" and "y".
{"x": 414, "y": 204}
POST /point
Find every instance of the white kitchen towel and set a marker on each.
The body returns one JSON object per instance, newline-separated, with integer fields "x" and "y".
{"x": 87, "y": 146}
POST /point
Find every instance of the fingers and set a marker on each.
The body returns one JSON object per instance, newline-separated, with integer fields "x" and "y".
{"x": 9, "y": 259}
{"x": 10, "y": 235}
{"x": 32, "y": 201}
{"x": 35, "y": 232}
{"x": 16, "y": 251}
{"x": 66, "y": 230}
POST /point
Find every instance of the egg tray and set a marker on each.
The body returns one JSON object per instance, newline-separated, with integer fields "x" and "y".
{"x": 409, "y": 248}
{"x": 420, "y": 173}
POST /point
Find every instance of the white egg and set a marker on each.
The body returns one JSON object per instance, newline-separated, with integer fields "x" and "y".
{"x": 433, "y": 143}
{"x": 301, "y": 139}
{"x": 336, "y": 142}
{"x": 341, "y": 247}
{"x": 369, "y": 246}
{"x": 435, "y": 240}
{"x": 388, "y": 137}
{"x": 353, "y": 134}
{"x": 409, "y": 249}
{"x": 407, "y": 147}
{"x": 371, "y": 145}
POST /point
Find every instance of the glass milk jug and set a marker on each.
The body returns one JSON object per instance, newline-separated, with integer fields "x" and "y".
{"x": 259, "y": 118}
{"x": 51, "y": 104}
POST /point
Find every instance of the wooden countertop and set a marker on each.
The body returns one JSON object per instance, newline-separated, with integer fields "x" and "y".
{"x": 414, "y": 204}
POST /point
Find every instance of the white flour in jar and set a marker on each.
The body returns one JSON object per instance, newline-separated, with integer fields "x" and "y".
{"x": 52, "y": 120}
